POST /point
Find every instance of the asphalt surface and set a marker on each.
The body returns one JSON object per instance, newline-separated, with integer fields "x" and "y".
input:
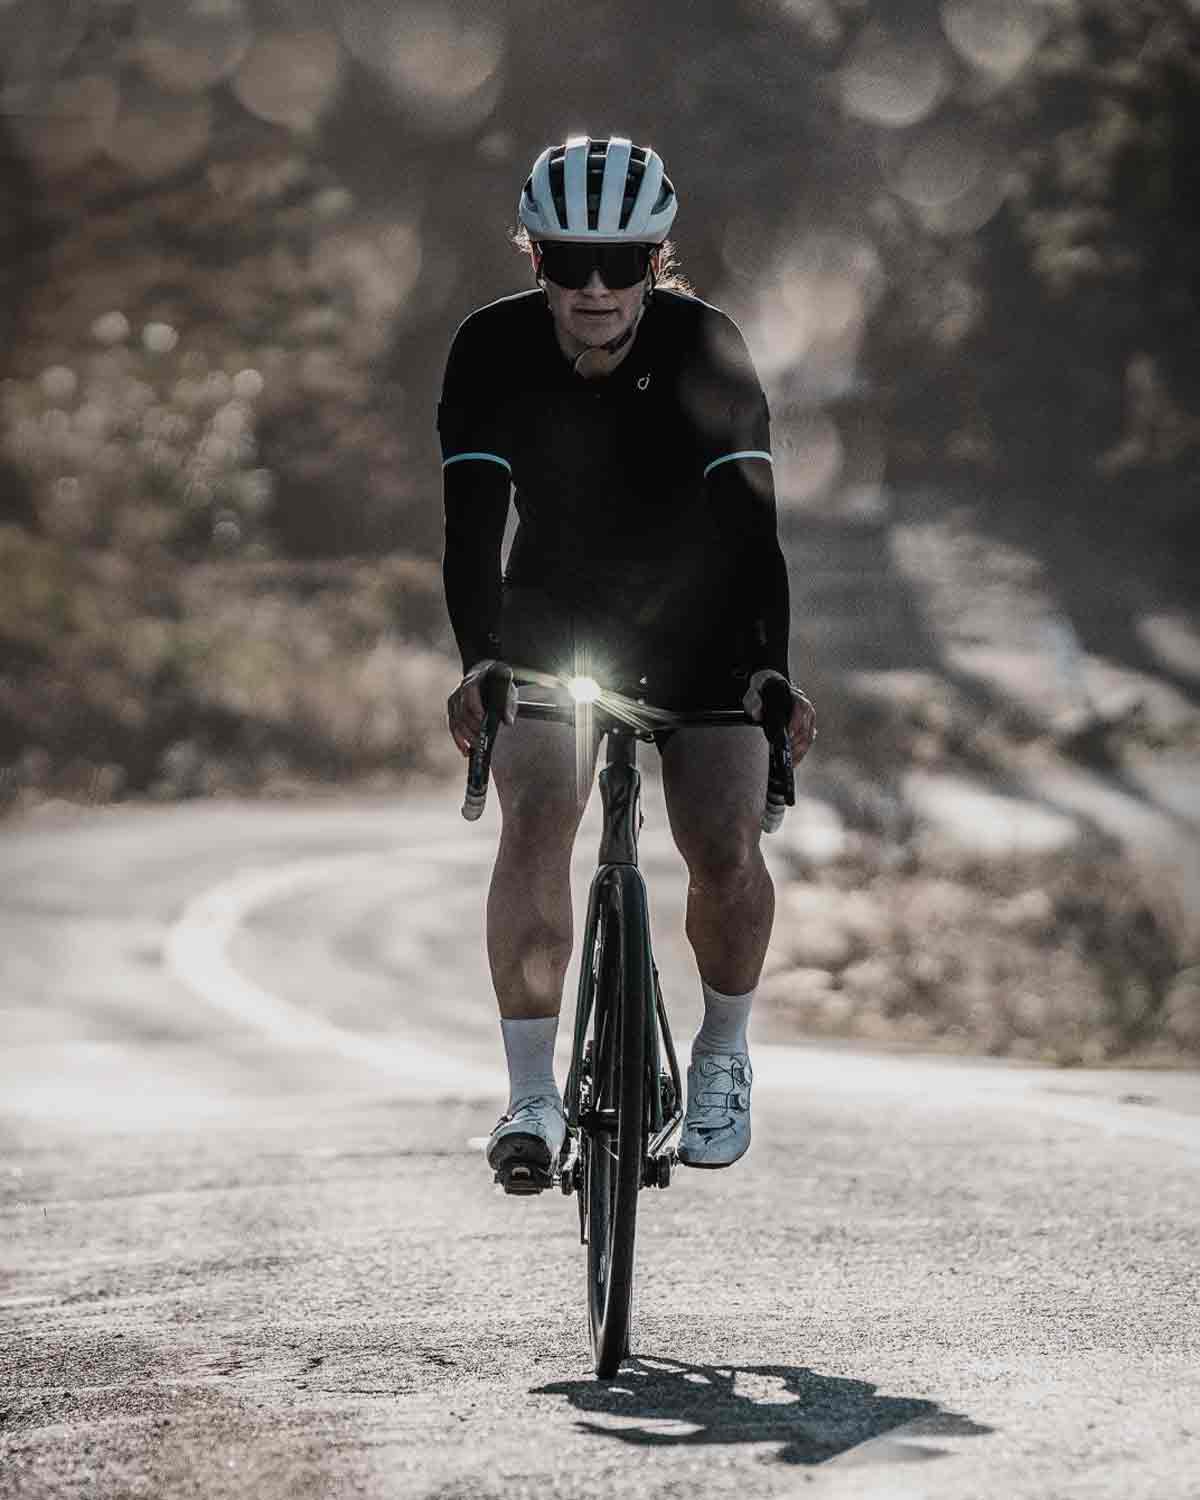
{"x": 250, "y": 1246}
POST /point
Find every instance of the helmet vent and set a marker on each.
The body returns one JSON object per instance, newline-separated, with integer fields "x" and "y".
{"x": 599, "y": 182}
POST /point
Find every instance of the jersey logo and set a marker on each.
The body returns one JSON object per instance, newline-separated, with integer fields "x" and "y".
{"x": 643, "y": 382}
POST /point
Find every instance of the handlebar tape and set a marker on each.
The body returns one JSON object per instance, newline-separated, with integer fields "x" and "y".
{"x": 781, "y": 777}
{"x": 494, "y": 690}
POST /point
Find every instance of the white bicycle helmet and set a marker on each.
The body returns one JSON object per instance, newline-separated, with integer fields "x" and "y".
{"x": 602, "y": 192}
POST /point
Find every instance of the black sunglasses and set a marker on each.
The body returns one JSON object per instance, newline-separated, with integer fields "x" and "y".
{"x": 571, "y": 265}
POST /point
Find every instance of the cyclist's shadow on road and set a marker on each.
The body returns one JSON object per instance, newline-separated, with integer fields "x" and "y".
{"x": 665, "y": 1403}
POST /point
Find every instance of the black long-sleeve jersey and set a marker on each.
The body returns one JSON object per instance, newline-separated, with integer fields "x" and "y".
{"x": 645, "y": 498}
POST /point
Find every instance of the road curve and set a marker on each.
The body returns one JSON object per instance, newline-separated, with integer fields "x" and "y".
{"x": 251, "y": 1246}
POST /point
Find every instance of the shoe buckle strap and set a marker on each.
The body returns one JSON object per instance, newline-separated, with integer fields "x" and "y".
{"x": 738, "y": 1070}
{"x": 735, "y": 1099}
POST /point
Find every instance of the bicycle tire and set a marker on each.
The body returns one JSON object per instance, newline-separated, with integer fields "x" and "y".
{"x": 612, "y": 1176}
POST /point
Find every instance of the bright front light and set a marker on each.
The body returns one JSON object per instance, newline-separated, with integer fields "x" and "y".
{"x": 584, "y": 689}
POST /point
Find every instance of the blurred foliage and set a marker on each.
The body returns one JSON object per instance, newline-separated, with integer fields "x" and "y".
{"x": 140, "y": 449}
{"x": 960, "y": 235}
{"x": 1065, "y": 366}
{"x": 140, "y": 677}
{"x": 133, "y": 668}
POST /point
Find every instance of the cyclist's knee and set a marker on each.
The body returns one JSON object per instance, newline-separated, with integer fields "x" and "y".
{"x": 540, "y": 801}
{"x": 729, "y": 862}
{"x": 538, "y": 824}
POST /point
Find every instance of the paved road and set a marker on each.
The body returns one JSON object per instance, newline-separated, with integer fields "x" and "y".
{"x": 250, "y": 1246}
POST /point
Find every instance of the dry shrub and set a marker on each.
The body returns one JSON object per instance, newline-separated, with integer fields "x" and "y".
{"x": 224, "y": 678}
{"x": 1071, "y": 958}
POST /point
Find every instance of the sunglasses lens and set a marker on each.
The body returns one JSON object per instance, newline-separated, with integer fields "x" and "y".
{"x": 567, "y": 265}
{"x": 571, "y": 266}
{"x": 622, "y": 265}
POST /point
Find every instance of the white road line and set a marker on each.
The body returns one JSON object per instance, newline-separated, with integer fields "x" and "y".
{"x": 195, "y": 952}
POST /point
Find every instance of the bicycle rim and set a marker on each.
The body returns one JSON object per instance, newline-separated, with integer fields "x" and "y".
{"x": 613, "y": 1169}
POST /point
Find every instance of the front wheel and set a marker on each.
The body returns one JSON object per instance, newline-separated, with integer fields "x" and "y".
{"x": 614, "y": 1148}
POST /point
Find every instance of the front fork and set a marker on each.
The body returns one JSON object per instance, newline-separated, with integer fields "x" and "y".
{"x": 620, "y": 790}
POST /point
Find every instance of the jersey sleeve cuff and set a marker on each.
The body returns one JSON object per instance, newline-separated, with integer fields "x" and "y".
{"x": 728, "y": 458}
{"x": 493, "y": 458}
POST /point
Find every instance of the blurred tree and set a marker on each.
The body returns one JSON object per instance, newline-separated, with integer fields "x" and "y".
{"x": 961, "y": 237}
{"x": 1075, "y": 380}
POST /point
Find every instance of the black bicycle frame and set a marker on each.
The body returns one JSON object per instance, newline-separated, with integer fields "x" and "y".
{"x": 620, "y": 794}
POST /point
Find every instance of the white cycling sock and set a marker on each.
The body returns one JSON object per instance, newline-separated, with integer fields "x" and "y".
{"x": 725, "y": 1021}
{"x": 529, "y": 1047}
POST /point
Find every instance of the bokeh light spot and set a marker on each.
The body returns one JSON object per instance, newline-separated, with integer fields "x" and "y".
{"x": 332, "y": 203}
{"x": 227, "y": 532}
{"x": 808, "y": 457}
{"x": 827, "y": 305}
{"x": 497, "y": 146}
{"x": 935, "y": 165}
{"x": 111, "y": 328}
{"x": 971, "y": 209}
{"x": 59, "y": 383}
{"x": 159, "y": 338}
{"x": 288, "y": 78}
{"x": 247, "y": 385}
{"x": 816, "y": 18}
{"x": 893, "y": 82}
{"x": 442, "y": 62}
{"x": 998, "y": 36}
{"x": 809, "y": 311}
{"x": 189, "y": 45}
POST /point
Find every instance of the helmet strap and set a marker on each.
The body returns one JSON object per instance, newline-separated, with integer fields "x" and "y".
{"x": 623, "y": 338}
{"x": 603, "y": 356}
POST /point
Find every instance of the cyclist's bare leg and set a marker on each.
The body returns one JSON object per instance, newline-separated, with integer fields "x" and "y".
{"x": 529, "y": 923}
{"x": 715, "y": 782}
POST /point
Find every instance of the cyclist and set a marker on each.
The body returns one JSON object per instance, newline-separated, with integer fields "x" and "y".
{"x": 626, "y": 418}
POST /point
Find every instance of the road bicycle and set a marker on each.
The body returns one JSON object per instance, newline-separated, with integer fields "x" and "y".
{"x": 623, "y": 1098}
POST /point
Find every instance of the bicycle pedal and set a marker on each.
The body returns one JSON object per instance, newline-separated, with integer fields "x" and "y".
{"x": 523, "y": 1180}
{"x": 522, "y": 1165}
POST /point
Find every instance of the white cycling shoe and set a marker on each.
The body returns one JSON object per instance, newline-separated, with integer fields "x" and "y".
{"x": 716, "y": 1128}
{"x": 524, "y": 1147}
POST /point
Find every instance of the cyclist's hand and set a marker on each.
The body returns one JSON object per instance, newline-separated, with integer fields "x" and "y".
{"x": 802, "y": 727}
{"x": 464, "y": 707}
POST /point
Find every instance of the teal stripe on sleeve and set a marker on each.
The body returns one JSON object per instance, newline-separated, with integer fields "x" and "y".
{"x": 728, "y": 458}
{"x": 492, "y": 458}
